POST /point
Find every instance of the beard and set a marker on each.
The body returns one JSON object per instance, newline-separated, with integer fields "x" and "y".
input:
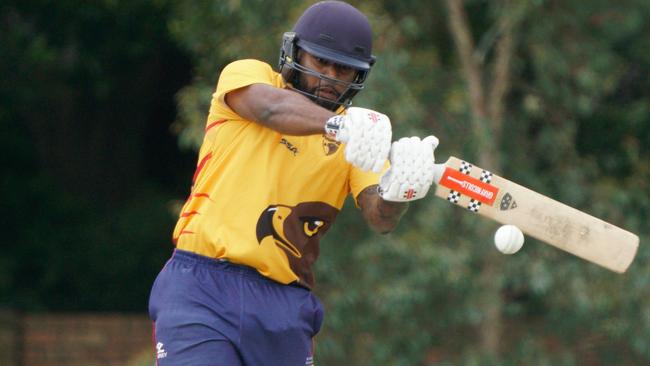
{"x": 328, "y": 101}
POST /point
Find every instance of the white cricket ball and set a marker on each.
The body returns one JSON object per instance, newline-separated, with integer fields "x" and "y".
{"x": 508, "y": 239}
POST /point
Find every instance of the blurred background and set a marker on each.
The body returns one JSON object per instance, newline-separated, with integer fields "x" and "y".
{"x": 103, "y": 105}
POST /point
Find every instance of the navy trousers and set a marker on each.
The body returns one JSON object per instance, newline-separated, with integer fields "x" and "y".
{"x": 212, "y": 312}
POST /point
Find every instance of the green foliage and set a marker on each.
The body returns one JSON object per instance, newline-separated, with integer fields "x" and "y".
{"x": 217, "y": 33}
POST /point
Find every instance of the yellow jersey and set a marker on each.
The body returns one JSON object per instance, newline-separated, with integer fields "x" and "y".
{"x": 260, "y": 198}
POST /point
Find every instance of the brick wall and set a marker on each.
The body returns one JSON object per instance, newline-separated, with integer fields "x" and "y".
{"x": 75, "y": 340}
{"x": 9, "y": 338}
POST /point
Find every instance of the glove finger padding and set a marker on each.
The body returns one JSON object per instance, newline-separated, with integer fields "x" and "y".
{"x": 432, "y": 140}
{"x": 367, "y": 135}
{"x": 411, "y": 172}
{"x": 384, "y": 150}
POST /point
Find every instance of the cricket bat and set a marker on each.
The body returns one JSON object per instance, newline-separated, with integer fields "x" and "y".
{"x": 538, "y": 216}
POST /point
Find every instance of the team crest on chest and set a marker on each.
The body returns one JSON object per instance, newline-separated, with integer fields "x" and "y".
{"x": 330, "y": 146}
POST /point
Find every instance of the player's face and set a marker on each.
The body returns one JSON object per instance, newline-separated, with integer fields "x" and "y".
{"x": 324, "y": 88}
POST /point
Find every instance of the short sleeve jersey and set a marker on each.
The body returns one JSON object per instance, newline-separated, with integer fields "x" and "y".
{"x": 261, "y": 198}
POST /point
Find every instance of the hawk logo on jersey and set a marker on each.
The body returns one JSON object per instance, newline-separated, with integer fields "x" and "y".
{"x": 273, "y": 225}
{"x": 330, "y": 146}
{"x": 292, "y": 228}
{"x": 297, "y": 231}
{"x": 270, "y": 226}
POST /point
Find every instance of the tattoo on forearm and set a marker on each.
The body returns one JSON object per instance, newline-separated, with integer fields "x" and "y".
{"x": 383, "y": 215}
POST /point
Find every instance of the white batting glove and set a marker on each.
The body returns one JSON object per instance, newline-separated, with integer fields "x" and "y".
{"x": 411, "y": 169}
{"x": 367, "y": 135}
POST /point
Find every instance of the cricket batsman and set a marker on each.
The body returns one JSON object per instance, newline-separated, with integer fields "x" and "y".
{"x": 281, "y": 152}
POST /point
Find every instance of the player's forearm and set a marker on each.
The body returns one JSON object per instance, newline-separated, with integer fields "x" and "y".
{"x": 282, "y": 110}
{"x": 383, "y": 216}
{"x": 295, "y": 114}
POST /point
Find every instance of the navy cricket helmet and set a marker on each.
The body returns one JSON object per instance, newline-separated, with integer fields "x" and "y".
{"x": 337, "y": 32}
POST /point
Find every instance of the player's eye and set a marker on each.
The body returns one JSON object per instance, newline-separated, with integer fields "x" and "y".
{"x": 344, "y": 70}
{"x": 323, "y": 61}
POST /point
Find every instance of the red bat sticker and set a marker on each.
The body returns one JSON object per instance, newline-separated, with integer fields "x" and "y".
{"x": 469, "y": 186}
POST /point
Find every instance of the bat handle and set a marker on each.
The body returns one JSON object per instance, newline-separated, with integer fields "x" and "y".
{"x": 438, "y": 170}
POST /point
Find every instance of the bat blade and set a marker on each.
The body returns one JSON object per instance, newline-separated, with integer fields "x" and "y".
{"x": 538, "y": 216}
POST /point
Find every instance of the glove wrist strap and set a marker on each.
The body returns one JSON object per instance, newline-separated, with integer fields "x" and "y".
{"x": 333, "y": 126}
